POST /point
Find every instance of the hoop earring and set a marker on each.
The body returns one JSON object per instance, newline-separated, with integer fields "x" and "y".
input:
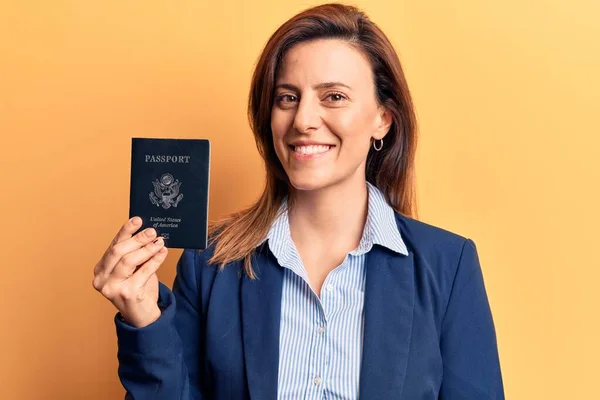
{"x": 380, "y": 146}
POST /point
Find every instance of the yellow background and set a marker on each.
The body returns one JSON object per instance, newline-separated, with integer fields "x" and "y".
{"x": 507, "y": 93}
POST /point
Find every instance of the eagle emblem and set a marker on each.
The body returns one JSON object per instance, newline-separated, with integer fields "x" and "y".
{"x": 166, "y": 192}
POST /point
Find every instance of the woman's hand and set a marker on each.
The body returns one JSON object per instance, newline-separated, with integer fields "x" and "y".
{"x": 126, "y": 273}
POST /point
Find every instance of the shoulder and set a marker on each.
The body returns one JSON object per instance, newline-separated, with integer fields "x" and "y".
{"x": 433, "y": 247}
{"x": 198, "y": 279}
{"x": 425, "y": 237}
{"x": 443, "y": 260}
{"x": 196, "y": 264}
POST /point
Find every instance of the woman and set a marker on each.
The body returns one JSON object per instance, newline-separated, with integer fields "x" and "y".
{"x": 326, "y": 287}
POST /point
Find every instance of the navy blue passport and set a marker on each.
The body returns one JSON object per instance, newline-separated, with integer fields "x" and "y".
{"x": 169, "y": 189}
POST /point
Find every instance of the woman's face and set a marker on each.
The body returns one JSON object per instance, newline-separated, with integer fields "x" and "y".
{"x": 325, "y": 114}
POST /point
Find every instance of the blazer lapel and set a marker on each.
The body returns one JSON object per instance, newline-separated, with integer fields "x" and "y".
{"x": 261, "y": 311}
{"x": 389, "y": 302}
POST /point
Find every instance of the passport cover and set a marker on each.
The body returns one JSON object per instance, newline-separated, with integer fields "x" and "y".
{"x": 169, "y": 189}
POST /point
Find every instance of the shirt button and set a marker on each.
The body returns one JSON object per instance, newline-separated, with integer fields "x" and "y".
{"x": 321, "y": 330}
{"x": 317, "y": 380}
{"x": 329, "y": 287}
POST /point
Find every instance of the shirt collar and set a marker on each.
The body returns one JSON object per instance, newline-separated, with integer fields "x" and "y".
{"x": 380, "y": 227}
{"x": 382, "y": 224}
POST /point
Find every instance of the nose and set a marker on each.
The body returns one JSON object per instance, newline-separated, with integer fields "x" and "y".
{"x": 307, "y": 116}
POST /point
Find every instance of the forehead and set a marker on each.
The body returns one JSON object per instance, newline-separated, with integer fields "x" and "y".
{"x": 325, "y": 60}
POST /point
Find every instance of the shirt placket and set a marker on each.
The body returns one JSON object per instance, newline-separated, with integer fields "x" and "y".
{"x": 329, "y": 307}
{"x": 318, "y": 365}
{"x": 321, "y": 340}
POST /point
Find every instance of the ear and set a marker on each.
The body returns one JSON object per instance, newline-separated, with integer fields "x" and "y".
{"x": 384, "y": 122}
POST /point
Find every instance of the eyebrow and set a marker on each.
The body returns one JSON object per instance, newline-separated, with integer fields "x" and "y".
{"x": 323, "y": 85}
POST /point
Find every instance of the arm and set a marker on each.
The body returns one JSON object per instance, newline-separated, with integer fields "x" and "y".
{"x": 468, "y": 338}
{"x": 162, "y": 360}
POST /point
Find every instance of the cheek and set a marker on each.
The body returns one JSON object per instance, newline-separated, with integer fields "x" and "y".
{"x": 280, "y": 125}
{"x": 354, "y": 130}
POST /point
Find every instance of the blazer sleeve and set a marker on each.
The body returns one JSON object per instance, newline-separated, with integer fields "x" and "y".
{"x": 468, "y": 338}
{"x": 163, "y": 359}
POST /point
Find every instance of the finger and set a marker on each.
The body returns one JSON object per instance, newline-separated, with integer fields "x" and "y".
{"x": 117, "y": 251}
{"x": 141, "y": 276}
{"x": 98, "y": 282}
{"x": 128, "y": 229}
{"x": 124, "y": 233}
{"x": 127, "y": 265}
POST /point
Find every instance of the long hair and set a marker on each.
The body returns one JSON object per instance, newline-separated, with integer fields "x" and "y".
{"x": 391, "y": 170}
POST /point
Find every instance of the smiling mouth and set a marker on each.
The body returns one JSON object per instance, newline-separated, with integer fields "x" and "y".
{"x": 311, "y": 149}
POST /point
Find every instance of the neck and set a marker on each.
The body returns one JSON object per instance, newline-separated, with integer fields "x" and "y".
{"x": 332, "y": 216}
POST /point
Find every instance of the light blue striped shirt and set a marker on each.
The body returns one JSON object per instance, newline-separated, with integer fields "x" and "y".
{"x": 320, "y": 342}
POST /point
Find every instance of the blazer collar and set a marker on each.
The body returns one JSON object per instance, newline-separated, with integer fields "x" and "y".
{"x": 261, "y": 312}
{"x": 389, "y": 303}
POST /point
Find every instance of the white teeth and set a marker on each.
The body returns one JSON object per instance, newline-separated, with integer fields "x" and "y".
{"x": 311, "y": 149}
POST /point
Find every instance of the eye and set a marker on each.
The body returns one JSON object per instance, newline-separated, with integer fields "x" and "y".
{"x": 336, "y": 97}
{"x": 286, "y": 98}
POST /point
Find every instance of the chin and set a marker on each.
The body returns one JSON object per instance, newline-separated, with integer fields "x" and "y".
{"x": 306, "y": 183}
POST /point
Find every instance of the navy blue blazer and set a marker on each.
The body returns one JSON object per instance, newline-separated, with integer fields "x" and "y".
{"x": 429, "y": 332}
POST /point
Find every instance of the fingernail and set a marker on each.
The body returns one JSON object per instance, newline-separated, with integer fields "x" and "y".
{"x": 159, "y": 241}
{"x": 150, "y": 232}
{"x": 136, "y": 220}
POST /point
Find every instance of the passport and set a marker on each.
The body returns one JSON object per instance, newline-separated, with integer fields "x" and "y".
{"x": 169, "y": 189}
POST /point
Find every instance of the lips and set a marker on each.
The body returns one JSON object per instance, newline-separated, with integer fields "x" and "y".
{"x": 305, "y": 152}
{"x": 311, "y": 149}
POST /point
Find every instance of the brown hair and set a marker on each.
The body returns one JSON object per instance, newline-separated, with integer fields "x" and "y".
{"x": 391, "y": 169}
